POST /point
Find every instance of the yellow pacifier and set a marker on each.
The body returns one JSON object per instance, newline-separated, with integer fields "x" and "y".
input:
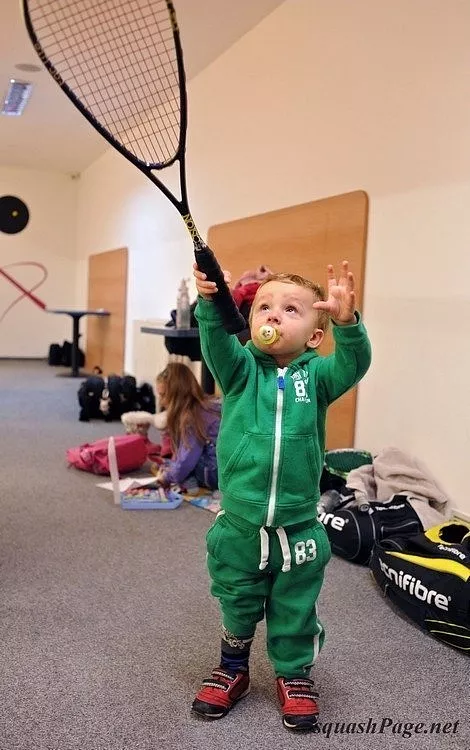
{"x": 268, "y": 334}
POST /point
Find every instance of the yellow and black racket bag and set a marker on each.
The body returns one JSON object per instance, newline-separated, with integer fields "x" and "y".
{"x": 428, "y": 577}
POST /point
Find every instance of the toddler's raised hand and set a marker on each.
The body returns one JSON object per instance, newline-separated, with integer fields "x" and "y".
{"x": 206, "y": 288}
{"x": 341, "y": 301}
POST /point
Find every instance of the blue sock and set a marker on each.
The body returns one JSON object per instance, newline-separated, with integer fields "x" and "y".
{"x": 234, "y": 656}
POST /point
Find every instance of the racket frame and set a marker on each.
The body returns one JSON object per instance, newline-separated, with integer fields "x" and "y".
{"x": 233, "y": 321}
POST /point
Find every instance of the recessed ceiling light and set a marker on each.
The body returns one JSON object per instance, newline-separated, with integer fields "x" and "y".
{"x": 17, "y": 95}
{"x": 28, "y": 67}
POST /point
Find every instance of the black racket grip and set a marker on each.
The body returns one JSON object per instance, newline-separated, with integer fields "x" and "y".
{"x": 232, "y": 319}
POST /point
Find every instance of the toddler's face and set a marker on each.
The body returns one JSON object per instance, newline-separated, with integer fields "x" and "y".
{"x": 288, "y": 308}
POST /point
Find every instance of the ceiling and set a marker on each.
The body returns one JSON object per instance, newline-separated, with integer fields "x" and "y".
{"x": 51, "y": 134}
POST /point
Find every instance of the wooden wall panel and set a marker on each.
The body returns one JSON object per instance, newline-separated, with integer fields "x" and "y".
{"x": 303, "y": 239}
{"x": 107, "y": 288}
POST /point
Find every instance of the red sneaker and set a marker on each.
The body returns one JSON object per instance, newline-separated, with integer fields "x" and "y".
{"x": 299, "y": 703}
{"x": 220, "y": 693}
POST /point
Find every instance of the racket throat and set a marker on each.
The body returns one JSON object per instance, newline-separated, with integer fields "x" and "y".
{"x": 191, "y": 227}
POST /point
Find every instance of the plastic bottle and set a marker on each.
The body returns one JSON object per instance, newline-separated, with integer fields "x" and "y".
{"x": 183, "y": 311}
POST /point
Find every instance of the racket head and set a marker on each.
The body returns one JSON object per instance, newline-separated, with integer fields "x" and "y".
{"x": 121, "y": 64}
{"x": 343, "y": 460}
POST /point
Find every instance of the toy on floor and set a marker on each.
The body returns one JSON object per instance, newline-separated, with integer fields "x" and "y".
{"x": 150, "y": 498}
{"x": 137, "y": 496}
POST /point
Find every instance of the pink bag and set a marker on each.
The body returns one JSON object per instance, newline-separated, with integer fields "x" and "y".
{"x": 131, "y": 454}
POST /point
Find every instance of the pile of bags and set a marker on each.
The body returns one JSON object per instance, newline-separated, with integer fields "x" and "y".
{"x": 388, "y": 511}
{"x": 109, "y": 398}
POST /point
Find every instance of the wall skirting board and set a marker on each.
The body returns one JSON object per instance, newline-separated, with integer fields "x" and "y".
{"x": 24, "y": 359}
{"x": 461, "y": 516}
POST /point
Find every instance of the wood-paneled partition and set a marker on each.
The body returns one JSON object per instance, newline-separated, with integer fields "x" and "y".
{"x": 107, "y": 288}
{"x": 303, "y": 239}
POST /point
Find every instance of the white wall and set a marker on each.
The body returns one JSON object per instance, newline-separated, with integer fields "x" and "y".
{"x": 323, "y": 97}
{"x": 50, "y": 240}
{"x": 120, "y": 207}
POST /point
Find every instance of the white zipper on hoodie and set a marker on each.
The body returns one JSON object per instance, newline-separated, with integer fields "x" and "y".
{"x": 281, "y": 371}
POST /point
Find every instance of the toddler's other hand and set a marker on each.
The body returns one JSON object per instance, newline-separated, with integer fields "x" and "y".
{"x": 341, "y": 301}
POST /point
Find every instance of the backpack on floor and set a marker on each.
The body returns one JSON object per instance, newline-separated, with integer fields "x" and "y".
{"x": 119, "y": 396}
{"x": 89, "y": 398}
{"x": 131, "y": 454}
{"x": 128, "y": 395}
{"x": 66, "y": 355}
{"x": 146, "y": 398}
{"x": 428, "y": 577}
{"x": 352, "y": 530}
{"x": 54, "y": 358}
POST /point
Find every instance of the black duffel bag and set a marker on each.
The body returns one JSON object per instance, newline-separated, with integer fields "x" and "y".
{"x": 352, "y": 529}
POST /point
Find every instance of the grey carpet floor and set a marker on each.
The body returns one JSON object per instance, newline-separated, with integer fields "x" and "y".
{"x": 107, "y": 626}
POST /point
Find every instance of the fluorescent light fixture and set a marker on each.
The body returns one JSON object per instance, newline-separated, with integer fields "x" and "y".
{"x": 17, "y": 96}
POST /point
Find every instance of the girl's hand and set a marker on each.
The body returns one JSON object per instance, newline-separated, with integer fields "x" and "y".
{"x": 160, "y": 477}
{"x": 206, "y": 288}
{"x": 341, "y": 302}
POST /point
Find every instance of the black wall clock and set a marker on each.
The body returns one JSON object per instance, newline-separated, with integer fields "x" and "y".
{"x": 14, "y": 214}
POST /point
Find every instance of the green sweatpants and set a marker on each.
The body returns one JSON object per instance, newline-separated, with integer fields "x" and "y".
{"x": 287, "y": 598}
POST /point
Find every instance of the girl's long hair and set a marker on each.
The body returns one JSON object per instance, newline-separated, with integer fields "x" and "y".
{"x": 185, "y": 403}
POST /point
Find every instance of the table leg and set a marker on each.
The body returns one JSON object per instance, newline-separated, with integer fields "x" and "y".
{"x": 75, "y": 338}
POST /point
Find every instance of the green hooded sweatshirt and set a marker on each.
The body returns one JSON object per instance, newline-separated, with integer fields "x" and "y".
{"x": 271, "y": 441}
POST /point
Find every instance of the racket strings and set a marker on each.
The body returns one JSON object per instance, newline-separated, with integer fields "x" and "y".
{"x": 119, "y": 59}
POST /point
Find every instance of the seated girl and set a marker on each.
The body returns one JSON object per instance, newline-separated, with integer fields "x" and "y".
{"x": 192, "y": 424}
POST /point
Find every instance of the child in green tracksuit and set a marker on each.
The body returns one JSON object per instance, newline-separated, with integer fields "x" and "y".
{"x": 266, "y": 550}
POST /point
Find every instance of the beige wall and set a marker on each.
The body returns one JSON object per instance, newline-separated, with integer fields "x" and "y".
{"x": 323, "y": 97}
{"x": 48, "y": 239}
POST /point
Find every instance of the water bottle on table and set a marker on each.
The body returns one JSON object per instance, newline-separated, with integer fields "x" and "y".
{"x": 183, "y": 307}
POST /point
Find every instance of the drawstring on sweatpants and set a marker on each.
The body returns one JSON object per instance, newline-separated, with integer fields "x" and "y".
{"x": 264, "y": 548}
{"x": 284, "y": 544}
{"x": 281, "y": 532}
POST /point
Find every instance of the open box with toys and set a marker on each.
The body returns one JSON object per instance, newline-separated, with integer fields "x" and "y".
{"x": 139, "y": 496}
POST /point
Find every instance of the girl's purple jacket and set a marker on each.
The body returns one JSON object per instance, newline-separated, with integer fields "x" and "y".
{"x": 195, "y": 458}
